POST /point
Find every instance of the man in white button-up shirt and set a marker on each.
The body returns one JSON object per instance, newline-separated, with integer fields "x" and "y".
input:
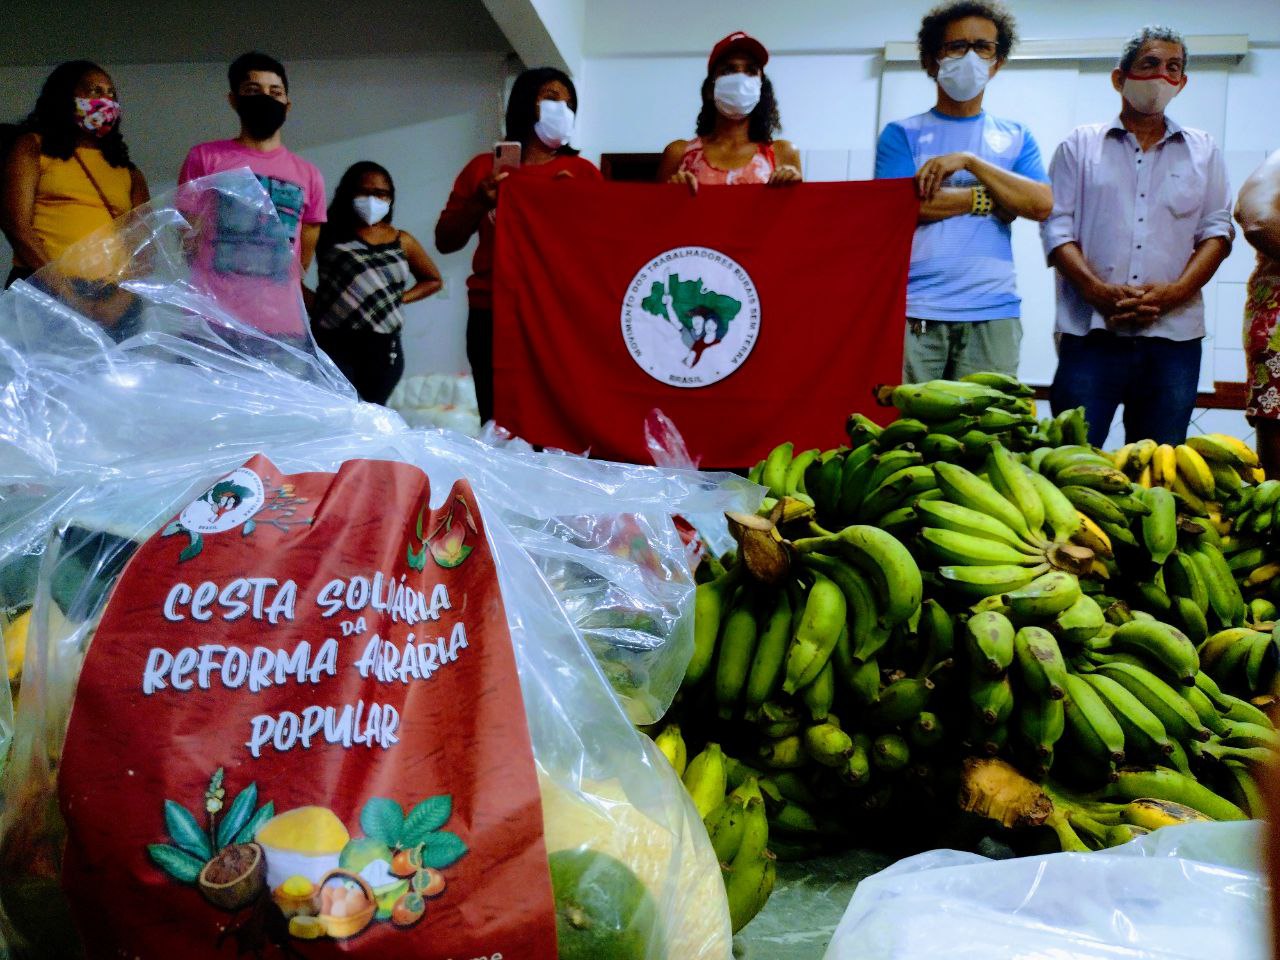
{"x": 1141, "y": 221}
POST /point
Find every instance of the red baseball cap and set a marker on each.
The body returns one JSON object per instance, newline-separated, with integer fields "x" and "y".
{"x": 738, "y": 42}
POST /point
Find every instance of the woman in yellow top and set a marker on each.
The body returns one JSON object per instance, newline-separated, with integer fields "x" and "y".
{"x": 67, "y": 175}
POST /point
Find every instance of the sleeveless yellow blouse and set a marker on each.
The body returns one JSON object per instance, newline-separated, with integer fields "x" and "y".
{"x": 68, "y": 209}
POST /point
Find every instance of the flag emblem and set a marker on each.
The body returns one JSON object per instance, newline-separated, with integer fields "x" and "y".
{"x": 691, "y": 317}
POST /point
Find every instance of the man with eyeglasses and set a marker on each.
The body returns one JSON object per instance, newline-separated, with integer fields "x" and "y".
{"x": 974, "y": 174}
{"x": 1141, "y": 220}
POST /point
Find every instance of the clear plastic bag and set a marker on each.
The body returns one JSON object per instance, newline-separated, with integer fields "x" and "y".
{"x": 1181, "y": 893}
{"x": 667, "y": 448}
{"x": 109, "y": 437}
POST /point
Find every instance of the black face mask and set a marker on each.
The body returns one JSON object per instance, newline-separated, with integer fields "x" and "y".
{"x": 261, "y": 115}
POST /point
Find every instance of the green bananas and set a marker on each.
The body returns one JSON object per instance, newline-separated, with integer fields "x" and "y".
{"x": 816, "y": 635}
{"x": 883, "y": 558}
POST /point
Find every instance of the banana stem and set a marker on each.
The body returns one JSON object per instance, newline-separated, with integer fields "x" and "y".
{"x": 1085, "y": 824}
{"x": 815, "y": 544}
{"x": 819, "y": 531}
{"x": 1068, "y": 839}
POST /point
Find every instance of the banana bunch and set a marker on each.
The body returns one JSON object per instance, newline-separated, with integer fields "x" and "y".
{"x": 1203, "y": 473}
{"x": 1243, "y": 659}
{"x": 733, "y": 811}
{"x": 1138, "y": 802}
{"x": 964, "y": 585}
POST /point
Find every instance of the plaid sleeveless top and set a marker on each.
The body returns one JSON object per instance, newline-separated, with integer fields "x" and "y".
{"x": 361, "y": 285}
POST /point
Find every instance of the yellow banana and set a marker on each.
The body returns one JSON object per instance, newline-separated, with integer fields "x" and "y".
{"x": 1146, "y": 477}
{"x": 671, "y": 742}
{"x": 1193, "y": 469}
{"x": 1164, "y": 466}
{"x": 1261, "y": 575}
{"x": 1242, "y": 449}
{"x": 15, "y": 645}
{"x": 1143, "y": 451}
{"x": 1093, "y": 536}
{"x": 1219, "y": 448}
{"x": 1193, "y": 499}
{"x": 1122, "y": 456}
{"x": 706, "y": 779}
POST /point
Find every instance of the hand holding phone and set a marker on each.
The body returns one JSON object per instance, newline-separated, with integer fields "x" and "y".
{"x": 506, "y": 156}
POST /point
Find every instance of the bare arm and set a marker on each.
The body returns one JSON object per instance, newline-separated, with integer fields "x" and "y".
{"x": 946, "y": 203}
{"x": 424, "y": 270}
{"x": 308, "y": 236}
{"x": 22, "y": 174}
{"x": 1258, "y": 208}
{"x": 1013, "y": 192}
{"x": 787, "y": 160}
{"x": 671, "y": 158}
{"x": 669, "y": 168}
{"x": 138, "y": 192}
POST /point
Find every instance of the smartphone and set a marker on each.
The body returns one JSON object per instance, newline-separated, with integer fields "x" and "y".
{"x": 506, "y": 155}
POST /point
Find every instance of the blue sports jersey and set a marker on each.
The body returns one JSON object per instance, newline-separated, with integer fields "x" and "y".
{"x": 962, "y": 267}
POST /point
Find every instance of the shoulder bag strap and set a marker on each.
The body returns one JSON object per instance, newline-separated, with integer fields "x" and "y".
{"x": 101, "y": 196}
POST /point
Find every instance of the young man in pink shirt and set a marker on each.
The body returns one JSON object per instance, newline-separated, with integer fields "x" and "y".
{"x": 254, "y": 264}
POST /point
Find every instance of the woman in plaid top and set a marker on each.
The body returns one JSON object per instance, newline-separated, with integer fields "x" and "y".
{"x": 368, "y": 270}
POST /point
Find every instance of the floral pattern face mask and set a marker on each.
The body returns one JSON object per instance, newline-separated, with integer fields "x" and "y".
{"x": 97, "y": 115}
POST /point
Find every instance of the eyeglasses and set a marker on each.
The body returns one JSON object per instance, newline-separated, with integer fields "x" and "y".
{"x": 986, "y": 49}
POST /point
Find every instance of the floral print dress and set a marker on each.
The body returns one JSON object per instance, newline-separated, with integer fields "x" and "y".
{"x": 1262, "y": 340}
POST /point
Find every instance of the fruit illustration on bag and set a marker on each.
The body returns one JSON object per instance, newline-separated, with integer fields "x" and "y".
{"x": 221, "y": 860}
{"x": 323, "y": 881}
{"x": 301, "y": 846}
{"x": 447, "y": 542}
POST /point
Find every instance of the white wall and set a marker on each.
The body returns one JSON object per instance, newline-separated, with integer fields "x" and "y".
{"x": 668, "y": 27}
{"x": 420, "y": 116}
{"x": 640, "y": 84}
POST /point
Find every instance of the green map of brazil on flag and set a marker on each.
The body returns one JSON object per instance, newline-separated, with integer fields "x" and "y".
{"x": 746, "y": 314}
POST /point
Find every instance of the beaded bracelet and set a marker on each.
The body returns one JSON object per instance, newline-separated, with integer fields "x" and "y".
{"x": 982, "y": 202}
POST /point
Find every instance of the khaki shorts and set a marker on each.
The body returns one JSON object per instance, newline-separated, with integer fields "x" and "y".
{"x": 948, "y": 350}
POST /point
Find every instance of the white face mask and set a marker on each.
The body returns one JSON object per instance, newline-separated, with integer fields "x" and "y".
{"x": 371, "y": 209}
{"x": 1150, "y": 95}
{"x": 737, "y": 94}
{"x": 963, "y": 78}
{"x": 555, "y": 123}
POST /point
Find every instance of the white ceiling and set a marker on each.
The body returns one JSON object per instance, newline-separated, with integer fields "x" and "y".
{"x": 178, "y": 31}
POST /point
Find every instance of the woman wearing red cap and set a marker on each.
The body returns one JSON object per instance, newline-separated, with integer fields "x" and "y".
{"x": 739, "y": 117}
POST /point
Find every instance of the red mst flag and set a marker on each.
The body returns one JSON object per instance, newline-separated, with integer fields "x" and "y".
{"x": 748, "y": 314}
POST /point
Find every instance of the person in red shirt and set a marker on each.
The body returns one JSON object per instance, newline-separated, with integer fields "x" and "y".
{"x": 540, "y": 117}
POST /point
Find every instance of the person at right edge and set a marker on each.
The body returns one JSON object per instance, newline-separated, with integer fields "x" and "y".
{"x": 1258, "y": 213}
{"x": 1141, "y": 220}
{"x": 541, "y": 113}
{"x": 974, "y": 174}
